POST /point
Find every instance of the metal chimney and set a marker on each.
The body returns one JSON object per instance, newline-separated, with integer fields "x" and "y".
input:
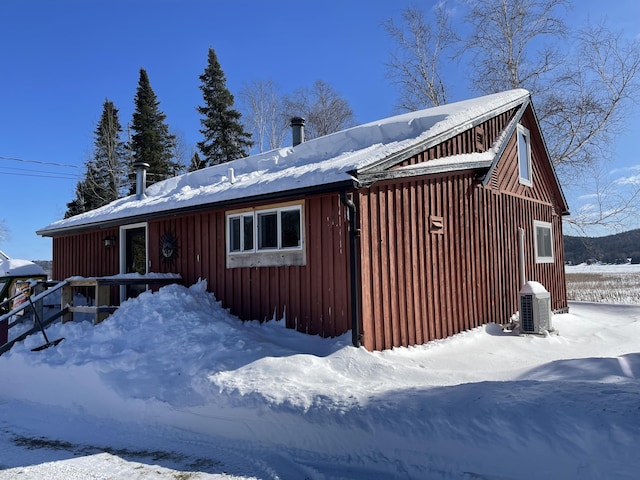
{"x": 297, "y": 130}
{"x": 141, "y": 179}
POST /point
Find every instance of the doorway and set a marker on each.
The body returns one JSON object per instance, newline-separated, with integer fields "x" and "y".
{"x": 133, "y": 256}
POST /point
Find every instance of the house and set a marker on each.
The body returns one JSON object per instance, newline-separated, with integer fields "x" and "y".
{"x": 404, "y": 230}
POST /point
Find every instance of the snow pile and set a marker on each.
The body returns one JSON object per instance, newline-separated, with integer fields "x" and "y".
{"x": 172, "y": 372}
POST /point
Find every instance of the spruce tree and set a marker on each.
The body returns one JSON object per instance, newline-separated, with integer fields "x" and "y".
{"x": 151, "y": 141}
{"x": 225, "y": 138}
{"x": 81, "y": 203}
{"x": 105, "y": 177}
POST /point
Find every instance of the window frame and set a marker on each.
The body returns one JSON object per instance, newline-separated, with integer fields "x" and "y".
{"x": 524, "y": 133}
{"x": 538, "y": 224}
{"x": 241, "y": 233}
{"x": 265, "y": 256}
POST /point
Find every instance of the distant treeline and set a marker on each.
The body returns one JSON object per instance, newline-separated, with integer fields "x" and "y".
{"x": 610, "y": 249}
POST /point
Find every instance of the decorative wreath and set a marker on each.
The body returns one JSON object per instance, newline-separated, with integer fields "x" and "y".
{"x": 168, "y": 248}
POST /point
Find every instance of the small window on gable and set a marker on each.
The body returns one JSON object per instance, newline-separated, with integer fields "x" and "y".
{"x": 524, "y": 156}
{"x": 543, "y": 242}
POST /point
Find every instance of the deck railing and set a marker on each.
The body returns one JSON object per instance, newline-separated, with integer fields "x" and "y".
{"x": 39, "y": 290}
{"x": 98, "y": 294}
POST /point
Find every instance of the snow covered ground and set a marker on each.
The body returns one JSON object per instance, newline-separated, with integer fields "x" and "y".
{"x": 603, "y": 268}
{"x": 173, "y": 387}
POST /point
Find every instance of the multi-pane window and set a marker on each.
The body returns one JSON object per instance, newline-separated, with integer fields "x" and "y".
{"x": 524, "y": 155}
{"x": 265, "y": 230}
{"x": 543, "y": 242}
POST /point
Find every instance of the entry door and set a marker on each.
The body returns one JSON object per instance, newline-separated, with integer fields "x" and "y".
{"x": 133, "y": 256}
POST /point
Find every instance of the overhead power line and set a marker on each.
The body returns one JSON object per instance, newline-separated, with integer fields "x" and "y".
{"x": 34, "y": 170}
{"x": 39, "y": 176}
{"x": 14, "y": 159}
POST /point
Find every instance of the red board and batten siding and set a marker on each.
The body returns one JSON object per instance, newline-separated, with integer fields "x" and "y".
{"x": 421, "y": 284}
{"x": 314, "y": 298}
{"x": 84, "y": 254}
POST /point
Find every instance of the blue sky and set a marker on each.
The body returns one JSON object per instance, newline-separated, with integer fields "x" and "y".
{"x": 60, "y": 59}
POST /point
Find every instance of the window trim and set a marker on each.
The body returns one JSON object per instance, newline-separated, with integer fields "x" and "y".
{"x": 546, "y": 225}
{"x": 523, "y": 132}
{"x": 240, "y": 216}
{"x": 269, "y": 256}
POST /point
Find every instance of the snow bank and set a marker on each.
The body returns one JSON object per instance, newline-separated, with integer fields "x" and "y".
{"x": 173, "y": 370}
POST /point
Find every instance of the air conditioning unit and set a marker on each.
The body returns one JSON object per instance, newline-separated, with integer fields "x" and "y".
{"x": 535, "y": 309}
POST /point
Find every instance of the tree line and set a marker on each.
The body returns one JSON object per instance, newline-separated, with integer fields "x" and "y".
{"x": 613, "y": 249}
{"x": 110, "y": 174}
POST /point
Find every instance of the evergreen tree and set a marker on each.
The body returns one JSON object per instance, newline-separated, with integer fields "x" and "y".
{"x": 225, "y": 138}
{"x": 81, "y": 203}
{"x": 105, "y": 178}
{"x": 151, "y": 141}
{"x": 110, "y": 157}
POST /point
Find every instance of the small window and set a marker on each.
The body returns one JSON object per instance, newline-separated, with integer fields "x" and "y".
{"x": 524, "y": 155}
{"x": 240, "y": 233}
{"x": 543, "y": 242}
{"x": 234, "y": 234}
{"x": 290, "y": 227}
{"x": 247, "y": 221}
{"x": 267, "y": 230}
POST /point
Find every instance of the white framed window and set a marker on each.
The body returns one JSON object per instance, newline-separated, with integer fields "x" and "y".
{"x": 543, "y": 241}
{"x": 240, "y": 233}
{"x": 268, "y": 236}
{"x": 524, "y": 156}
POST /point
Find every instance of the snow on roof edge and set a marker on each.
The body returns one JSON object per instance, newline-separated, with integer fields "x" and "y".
{"x": 320, "y": 161}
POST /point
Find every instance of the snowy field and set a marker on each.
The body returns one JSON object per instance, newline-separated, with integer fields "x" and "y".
{"x": 172, "y": 387}
{"x": 604, "y": 283}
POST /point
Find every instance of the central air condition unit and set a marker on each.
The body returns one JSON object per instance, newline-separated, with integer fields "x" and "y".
{"x": 535, "y": 309}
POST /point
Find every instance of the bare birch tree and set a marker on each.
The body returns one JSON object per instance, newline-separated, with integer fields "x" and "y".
{"x": 323, "y": 108}
{"x": 611, "y": 202}
{"x": 584, "y": 82}
{"x": 263, "y": 111}
{"x": 415, "y": 65}
{"x": 590, "y": 99}
{"x": 514, "y": 43}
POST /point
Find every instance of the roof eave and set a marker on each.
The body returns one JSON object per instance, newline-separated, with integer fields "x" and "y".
{"x": 281, "y": 195}
{"x": 367, "y": 179}
{"x": 423, "y": 145}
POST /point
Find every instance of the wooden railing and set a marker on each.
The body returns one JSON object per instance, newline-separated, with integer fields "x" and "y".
{"x": 100, "y": 289}
{"x": 39, "y": 291}
{"x": 100, "y": 292}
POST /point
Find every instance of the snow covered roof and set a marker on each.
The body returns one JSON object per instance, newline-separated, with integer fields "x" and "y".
{"x": 19, "y": 268}
{"x": 332, "y": 160}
